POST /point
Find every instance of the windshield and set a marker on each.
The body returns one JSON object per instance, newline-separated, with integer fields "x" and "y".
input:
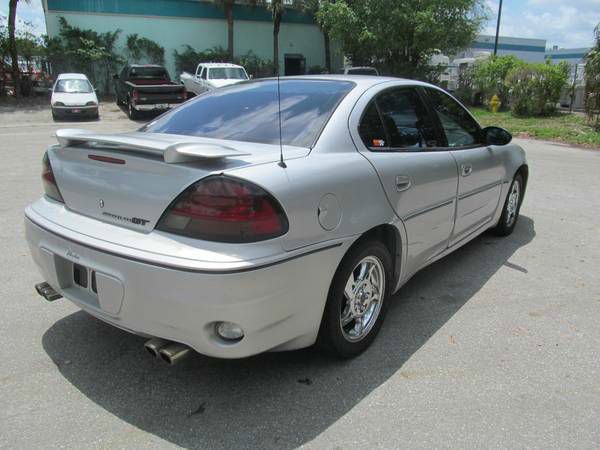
{"x": 77, "y": 86}
{"x": 249, "y": 112}
{"x": 362, "y": 71}
{"x": 149, "y": 72}
{"x": 227, "y": 73}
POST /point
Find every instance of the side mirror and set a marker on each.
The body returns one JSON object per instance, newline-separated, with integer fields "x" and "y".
{"x": 115, "y": 76}
{"x": 496, "y": 136}
{"x": 50, "y": 91}
{"x": 251, "y": 77}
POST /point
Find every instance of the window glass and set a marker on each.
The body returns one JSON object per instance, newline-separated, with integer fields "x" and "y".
{"x": 405, "y": 119}
{"x": 362, "y": 71}
{"x": 77, "y": 86}
{"x": 148, "y": 73}
{"x": 371, "y": 128}
{"x": 227, "y": 73}
{"x": 249, "y": 112}
{"x": 203, "y": 73}
{"x": 460, "y": 128}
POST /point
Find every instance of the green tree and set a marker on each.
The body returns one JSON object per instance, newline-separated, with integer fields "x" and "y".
{"x": 592, "y": 82}
{"x": 400, "y": 36}
{"x": 144, "y": 50}
{"x": 314, "y": 7}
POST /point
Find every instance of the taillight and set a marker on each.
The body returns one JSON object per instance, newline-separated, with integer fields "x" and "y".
{"x": 48, "y": 180}
{"x": 225, "y": 209}
{"x": 135, "y": 95}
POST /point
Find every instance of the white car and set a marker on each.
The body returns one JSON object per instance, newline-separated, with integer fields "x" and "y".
{"x": 211, "y": 76}
{"x": 73, "y": 96}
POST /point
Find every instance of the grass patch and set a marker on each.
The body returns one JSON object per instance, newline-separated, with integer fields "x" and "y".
{"x": 561, "y": 127}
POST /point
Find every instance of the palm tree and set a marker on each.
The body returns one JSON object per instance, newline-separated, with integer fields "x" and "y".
{"x": 313, "y": 7}
{"x": 592, "y": 81}
{"x": 227, "y": 7}
{"x": 12, "y": 45}
{"x": 277, "y": 8}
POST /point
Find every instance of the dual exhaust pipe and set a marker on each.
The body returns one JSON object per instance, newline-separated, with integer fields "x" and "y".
{"x": 169, "y": 352}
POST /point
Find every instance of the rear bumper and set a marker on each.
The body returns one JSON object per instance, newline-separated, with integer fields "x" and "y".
{"x": 278, "y": 305}
{"x": 155, "y": 107}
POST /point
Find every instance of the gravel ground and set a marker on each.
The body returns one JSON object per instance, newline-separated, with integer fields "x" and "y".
{"x": 496, "y": 346}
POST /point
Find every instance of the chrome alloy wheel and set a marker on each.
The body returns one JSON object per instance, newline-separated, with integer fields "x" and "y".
{"x": 512, "y": 207}
{"x": 363, "y": 298}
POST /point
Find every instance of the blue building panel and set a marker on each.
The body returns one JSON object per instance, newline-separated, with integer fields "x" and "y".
{"x": 174, "y": 8}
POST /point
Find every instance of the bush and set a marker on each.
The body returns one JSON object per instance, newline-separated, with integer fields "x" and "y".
{"x": 592, "y": 83}
{"x": 143, "y": 50}
{"x": 254, "y": 65}
{"x": 187, "y": 60}
{"x": 489, "y": 77}
{"x": 534, "y": 89}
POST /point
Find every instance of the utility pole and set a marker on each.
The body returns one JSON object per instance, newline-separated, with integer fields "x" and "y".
{"x": 498, "y": 28}
{"x": 573, "y": 88}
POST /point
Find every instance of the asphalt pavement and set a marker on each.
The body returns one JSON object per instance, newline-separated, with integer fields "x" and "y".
{"x": 496, "y": 346}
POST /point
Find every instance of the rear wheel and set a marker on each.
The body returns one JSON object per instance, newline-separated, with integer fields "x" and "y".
{"x": 357, "y": 300}
{"x": 512, "y": 206}
{"x": 131, "y": 111}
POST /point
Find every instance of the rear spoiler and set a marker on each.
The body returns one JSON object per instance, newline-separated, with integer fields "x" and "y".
{"x": 172, "y": 152}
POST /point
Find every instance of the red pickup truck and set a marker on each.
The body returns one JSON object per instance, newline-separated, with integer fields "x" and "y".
{"x": 147, "y": 88}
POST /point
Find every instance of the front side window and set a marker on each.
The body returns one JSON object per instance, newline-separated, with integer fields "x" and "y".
{"x": 460, "y": 128}
{"x": 249, "y": 112}
{"x": 404, "y": 120}
{"x": 227, "y": 73}
{"x": 77, "y": 86}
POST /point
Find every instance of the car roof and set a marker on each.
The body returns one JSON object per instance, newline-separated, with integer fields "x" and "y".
{"x": 71, "y": 76}
{"x": 218, "y": 64}
{"x": 363, "y": 82}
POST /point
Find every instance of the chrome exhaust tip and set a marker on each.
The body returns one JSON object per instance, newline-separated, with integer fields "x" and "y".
{"x": 174, "y": 352}
{"x": 154, "y": 345}
{"x": 47, "y": 291}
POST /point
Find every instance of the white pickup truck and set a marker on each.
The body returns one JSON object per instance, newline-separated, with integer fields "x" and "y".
{"x": 211, "y": 76}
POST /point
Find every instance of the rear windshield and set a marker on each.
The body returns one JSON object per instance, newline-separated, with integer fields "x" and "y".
{"x": 148, "y": 72}
{"x": 249, "y": 112}
{"x": 76, "y": 86}
{"x": 362, "y": 71}
{"x": 227, "y": 73}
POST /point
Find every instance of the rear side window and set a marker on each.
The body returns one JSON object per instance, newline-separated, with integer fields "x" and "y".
{"x": 460, "y": 128}
{"x": 404, "y": 119}
{"x": 149, "y": 72}
{"x": 362, "y": 71}
{"x": 249, "y": 112}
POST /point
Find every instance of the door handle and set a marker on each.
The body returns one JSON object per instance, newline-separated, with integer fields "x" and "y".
{"x": 466, "y": 169}
{"x": 403, "y": 182}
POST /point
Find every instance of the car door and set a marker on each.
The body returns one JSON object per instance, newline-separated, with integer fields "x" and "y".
{"x": 400, "y": 140}
{"x": 481, "y": 169}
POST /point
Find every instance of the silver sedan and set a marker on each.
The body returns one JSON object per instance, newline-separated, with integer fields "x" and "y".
{"x": 269, "y": 216}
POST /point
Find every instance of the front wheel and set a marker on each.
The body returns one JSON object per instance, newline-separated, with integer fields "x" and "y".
{"x": 512, "y": 206}
{"x": 357, "y": 300}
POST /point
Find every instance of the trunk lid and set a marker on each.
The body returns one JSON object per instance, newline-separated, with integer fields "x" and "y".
{"x": 130, "y": 179}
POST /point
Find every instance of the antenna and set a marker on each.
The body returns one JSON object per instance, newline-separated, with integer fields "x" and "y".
{"x": 281, "y": 162}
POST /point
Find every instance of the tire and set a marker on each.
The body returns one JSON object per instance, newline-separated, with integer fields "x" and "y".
{"x": 512, "y": 206}
{"x": 131, "y": 112}
{"x": 344, "y": 341}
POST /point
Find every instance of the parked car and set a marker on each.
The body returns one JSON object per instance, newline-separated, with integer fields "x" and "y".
{"x": 211, "y": 228}
{"x": 72, "y": 95}
{"x": 211, "y": 76}
{"x": 358, "y": 71}
{"x": 147, "y": 88}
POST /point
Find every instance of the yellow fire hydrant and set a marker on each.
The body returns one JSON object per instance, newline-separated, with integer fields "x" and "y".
{"x": 495, "y": 103}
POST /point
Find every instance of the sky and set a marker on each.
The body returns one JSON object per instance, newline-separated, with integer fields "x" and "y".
{"x": 566, "y": 23}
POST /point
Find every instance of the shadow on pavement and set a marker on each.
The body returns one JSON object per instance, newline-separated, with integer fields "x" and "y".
{"x": 275, "y": 400}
